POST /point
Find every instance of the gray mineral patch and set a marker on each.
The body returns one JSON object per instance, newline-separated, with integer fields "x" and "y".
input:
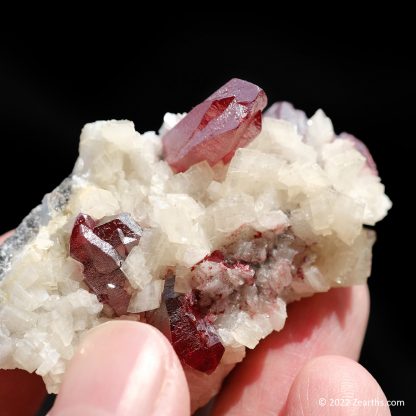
{"x": 29, "y": 227}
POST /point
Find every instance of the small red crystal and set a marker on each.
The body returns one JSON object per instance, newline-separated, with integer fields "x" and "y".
{"x": 192, "y": 334}
{"x": 216, "y": 256}
{"x": 102, "y": 247}
{"x": 82, "y": 222}
{"x": 213, "y": 130}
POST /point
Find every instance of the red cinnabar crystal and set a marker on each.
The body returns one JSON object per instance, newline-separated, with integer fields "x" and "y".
{"x": 213, "y": 130}
{"x": 218, "y": 257}
{"x": 192, "y": 334}
{"x": 102, "y": 246}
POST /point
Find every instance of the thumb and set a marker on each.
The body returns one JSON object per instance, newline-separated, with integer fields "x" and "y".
{"x": 335, "y": 385}
{"x": 124, "y": 368}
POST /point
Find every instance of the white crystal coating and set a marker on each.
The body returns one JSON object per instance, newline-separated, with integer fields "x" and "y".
{"x": 314, "y": 185}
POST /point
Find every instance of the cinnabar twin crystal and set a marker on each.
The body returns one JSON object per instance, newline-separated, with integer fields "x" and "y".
{"x": 102, "y": 246}
{"x": 192, "y": 334}
{"x": 213, "y": 130}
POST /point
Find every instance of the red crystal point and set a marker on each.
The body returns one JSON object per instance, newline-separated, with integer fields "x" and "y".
{"x": 192, "y": 335}
{"x": 121, "y": 232}
{"x": 76, "y": 244}
{"x": 102, "y": 249}
{"x": 213, "y": 130}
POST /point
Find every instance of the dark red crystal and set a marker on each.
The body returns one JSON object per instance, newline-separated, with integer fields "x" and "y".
{"x": 192, "y": 334}
{"x": 122, "y": 232}
{"x": 82, "y": 223}
{"x": 216, "y": 256}
{"x": 102, "y": 246}
{"x": 213, "y": 130}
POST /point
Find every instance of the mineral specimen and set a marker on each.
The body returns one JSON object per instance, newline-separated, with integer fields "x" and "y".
{"x": 206, "y": 231}
{"x": 102, "y": 248}
{"x": 193, "y": 336}
{"x": 213, "y": 130}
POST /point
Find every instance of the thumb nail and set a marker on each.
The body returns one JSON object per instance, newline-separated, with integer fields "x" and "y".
{"x": 123, "y": 368}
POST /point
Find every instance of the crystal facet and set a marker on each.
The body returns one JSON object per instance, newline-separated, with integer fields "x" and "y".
{"x": 102, "y": 247}
{"x": 192, "y": 334}
{"x": 213, "y": 130}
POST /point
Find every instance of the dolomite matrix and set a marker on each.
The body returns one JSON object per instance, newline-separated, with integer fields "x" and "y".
{"x": 206, "y": 231}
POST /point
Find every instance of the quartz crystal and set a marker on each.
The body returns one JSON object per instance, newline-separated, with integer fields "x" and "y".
{"x": 206, "y": 231}
{"x": 228, "y": 119}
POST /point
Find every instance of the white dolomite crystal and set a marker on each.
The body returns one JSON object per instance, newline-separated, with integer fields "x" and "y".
{"x": 293, "y": 203}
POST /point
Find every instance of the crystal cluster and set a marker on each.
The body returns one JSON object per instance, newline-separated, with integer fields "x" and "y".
{"x": 102, "y": 247}
{"x": 191, "y": 331}
{"x": 206, "y": 230}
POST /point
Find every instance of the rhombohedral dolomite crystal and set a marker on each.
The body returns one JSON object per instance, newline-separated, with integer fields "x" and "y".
{"x": 206, "y": 231}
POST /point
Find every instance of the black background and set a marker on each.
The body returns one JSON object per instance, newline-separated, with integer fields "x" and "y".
{"x": 52, "y": 83}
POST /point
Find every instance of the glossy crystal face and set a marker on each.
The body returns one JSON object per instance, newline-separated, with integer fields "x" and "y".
{"x": 214, "y": 129}
{"x": 101, "y": 247}
{"x": 192, "y": 334}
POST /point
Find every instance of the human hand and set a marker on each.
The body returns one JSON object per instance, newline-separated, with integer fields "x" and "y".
{"x": 129, "y": 368}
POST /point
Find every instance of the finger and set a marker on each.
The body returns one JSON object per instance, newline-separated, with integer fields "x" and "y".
{"x": 327, "y": 323}
{"x": 124, "y": 368}
{"x": 21, "y": 393}
{"x": 5, "y": 236}
{"x": 334, "y": 385}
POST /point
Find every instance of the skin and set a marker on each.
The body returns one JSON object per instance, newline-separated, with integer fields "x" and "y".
{"x": 129, "y": 368}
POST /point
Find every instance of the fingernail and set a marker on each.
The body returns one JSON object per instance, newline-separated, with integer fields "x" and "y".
{"x": 122, "y": 368}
